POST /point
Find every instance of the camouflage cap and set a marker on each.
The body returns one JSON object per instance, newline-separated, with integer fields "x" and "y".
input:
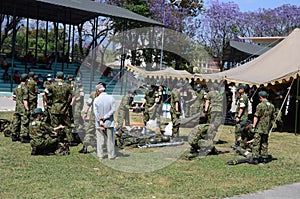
{"x": 215, "y": 86}
{"x": 240, "y": 86}
{"x": 70, "y": 76}
{"x": 263, "y": 94}
{"x": 24, "y": 76}
{"x": 37, "y": 111}
{"x": 60, "y": 74}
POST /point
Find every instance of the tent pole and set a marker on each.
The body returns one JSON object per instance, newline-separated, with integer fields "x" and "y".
{"x": 297, "y": 105}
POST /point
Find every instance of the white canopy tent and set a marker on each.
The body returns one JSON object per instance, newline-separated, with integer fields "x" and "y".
{"x": 280, "y": 63}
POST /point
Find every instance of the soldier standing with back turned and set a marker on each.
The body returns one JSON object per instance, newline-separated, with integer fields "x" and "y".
{"x": 21, "y": 116}
{"x": 176, "y": 108}
{"x": 33, "y": 92}
{"x": 261, "y": 126}
{"x": 61, "y": 93}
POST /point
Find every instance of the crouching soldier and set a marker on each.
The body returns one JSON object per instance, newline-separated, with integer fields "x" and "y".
{"x": 201, "y": 139}
{"x": 245, "y": 140}
{"x": 44, "y": 138}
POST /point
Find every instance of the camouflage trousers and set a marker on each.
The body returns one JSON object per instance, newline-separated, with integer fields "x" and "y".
{"x": 260, "y": 145}
{"x": 32, "y": 106}
{"x": 149, "y": 114}
{"x": 44, "y": 143}
{"x": 90, "y": 133}
{"x": 215, "y": 117}
{"x": 121, "y": 116}
{"x": 78, "y": 121}
{"x": 201, "y": 137}
{"x": 20, "y": 126}
{"x": 176, "y": 124}
{"x": 62, "y": 119}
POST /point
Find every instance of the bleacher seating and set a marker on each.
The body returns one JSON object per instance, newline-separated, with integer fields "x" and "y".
{"x": 38, "y": 70}
{"x": 113, "y": 87}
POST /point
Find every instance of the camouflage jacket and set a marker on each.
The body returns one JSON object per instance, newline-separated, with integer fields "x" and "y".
{"x": 78, "y": 94}
{"x": 33, "y": 89}
{"x": 265, "y": 112}
{"x": 150, "y": 98}
{"x": 201, "y": 99}
{"x": 242, "y": 102}
{"x": 215, "y": 101}
{"x": 175, "y": 97}
{"x": 39, "y": 129}
{"x": 125, "y": 103}
{"x": 61, "y": 93}
{"x": 89, "y": 103}
{"x": 22, "y": 94}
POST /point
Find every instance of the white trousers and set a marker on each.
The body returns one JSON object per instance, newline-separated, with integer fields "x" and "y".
{"x": 106, "y": 137}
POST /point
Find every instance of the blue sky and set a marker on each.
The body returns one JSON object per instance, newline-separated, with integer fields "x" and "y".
{"x": 254, "y": 5}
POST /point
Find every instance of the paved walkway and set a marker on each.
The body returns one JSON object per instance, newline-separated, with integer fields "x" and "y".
{"x": 283, "y": 192}
{"x": 291, "y": 191}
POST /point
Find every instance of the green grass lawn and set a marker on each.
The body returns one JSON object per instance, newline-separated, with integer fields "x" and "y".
{"x": 83, "y": 176}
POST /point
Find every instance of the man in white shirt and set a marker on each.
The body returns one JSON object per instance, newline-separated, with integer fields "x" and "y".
{"x": 104, "y": 108}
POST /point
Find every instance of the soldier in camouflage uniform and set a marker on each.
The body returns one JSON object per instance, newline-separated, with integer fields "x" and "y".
{"x": 61, "y": 93}
{"x": 200, "y": 98}
{"x": 261, "y": 126}
{"x": 21, "y": 116}
{"x": 70, "y": 111}
{"x": 191, "y": 104}
{"x": 214, "y": 105}
{"x": 201, "y": 139}
{"x": 175, "y": 109}
{"x": 159, "y": 103}
{"x": 78, "y": 101}
{"x": 43, "y": 136}
{"x": 33, "y": 92}
{"x": 149, "y": 104}
{"x": 90, "y": 132}
{"x": 47, "y": 99}
{"x": 241, "y": 113}
{"x": 123, "y": 110}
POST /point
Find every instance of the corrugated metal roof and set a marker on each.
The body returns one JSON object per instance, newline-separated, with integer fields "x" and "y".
{"x": 251, "y": 49}
{"x": 68, "y": 11}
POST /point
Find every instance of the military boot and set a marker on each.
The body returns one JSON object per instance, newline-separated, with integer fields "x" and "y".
{"x": 34, "y": 151}
{"x": 15, "y": 138}
{"x": 83, "y": 150}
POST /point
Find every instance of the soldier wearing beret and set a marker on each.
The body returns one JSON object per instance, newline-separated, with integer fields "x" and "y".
{"x": 262, "y": 123}
{"x": 33, "y": 92}
{"x": 43, "y": 136}
{"x": 22, "y": 113}
{"x": 176, "y": 108}
{"x": 241, "y": 114}
{"x": 61, "y": 94}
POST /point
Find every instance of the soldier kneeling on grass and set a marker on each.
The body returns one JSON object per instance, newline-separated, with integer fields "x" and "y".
{"x": 201, "y": 139}
{"x": 44, "y": 138}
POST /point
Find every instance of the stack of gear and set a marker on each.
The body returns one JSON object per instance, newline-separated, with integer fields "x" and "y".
{"x": 5, "y": 127}
{"x": 136, "y": 136}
